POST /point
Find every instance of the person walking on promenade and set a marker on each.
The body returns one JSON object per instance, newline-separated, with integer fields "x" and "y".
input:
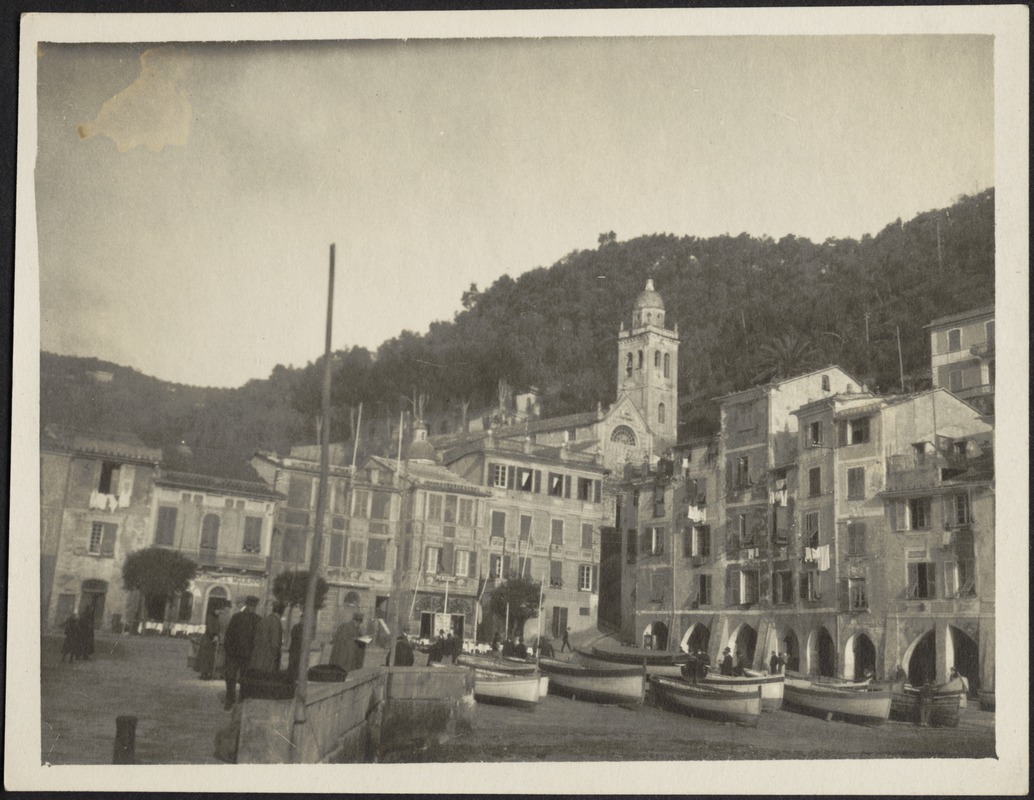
{"x": 566, "y": 643}
{"x": 238, "y": 641}
{"x": 86, "y": 632}
{"x": 70, "y": 646}
{"x": 345, "y": 651}
{"x": 269, "y": 639}
{"x": 727, "y": 661}
{"x": 206, "y": 651}
{"x": 294, "y": 648}
{"x": 773, "y": 664}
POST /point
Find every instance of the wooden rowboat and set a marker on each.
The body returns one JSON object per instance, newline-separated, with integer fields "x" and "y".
{"x": 660, "y": 663}
{"x": 700, "y": 700}
{"x": 613, "y": 684}
{"x": 500, "y": 665}
{"x": 825, "y": 680}
{"x": 944, "y": 710}
{"x": 771, "y": 687}
{"x": 506, "y": 690}
{"x": 868, "y": 705}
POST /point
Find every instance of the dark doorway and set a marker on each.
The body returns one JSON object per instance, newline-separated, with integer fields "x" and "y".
{"x": 792, "y": 649}
{"x": 94, "y": 594}
{"x": 699, "y": 638}
{"x": 660, "y": 635}
{"x": 922, "y": 666}
{"x": 967, "y": 658}
{"x": 217, "y": 600}
{"x": 864, "y": 656}
{"x": 186, "y": 607}
{"x": 743, "y": 646}
{"x": 826, "y": 654}
{"x": 559, "y": 621}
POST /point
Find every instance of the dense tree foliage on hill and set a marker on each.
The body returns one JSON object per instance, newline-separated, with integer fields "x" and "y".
{"x": 748, "y": 310}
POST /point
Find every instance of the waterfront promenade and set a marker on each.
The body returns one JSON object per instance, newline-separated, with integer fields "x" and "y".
{"x": 178, "y": 715}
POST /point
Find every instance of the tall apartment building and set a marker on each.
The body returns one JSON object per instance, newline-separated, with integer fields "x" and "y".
{"x": 962, "y": 356}
{"x": 96, "y": 505}
{"x": 544, "y": 515}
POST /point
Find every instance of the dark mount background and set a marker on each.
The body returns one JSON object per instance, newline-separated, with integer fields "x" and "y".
{"x": 748, "y": 309}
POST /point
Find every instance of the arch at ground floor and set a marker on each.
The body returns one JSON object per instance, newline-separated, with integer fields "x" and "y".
{"x": 928, "y": 649}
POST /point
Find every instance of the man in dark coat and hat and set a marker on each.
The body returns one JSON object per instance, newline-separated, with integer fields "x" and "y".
{"x": 238, "y": 642}
{"x": 86, "y": 632}
{"x": 727, "y": 661}
{"x": 345, "y": 651}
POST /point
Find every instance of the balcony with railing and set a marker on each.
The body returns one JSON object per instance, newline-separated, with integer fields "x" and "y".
{"x": 211, "y": 558}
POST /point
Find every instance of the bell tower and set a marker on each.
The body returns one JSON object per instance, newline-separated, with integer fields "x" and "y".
{"x": 648, "y": 361}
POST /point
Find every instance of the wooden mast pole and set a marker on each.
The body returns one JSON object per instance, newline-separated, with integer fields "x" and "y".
{"x": 308, "y": 623}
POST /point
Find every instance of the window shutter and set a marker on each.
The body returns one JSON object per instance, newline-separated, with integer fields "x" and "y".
{"x": 538, "y": 481}
{"x": 597, "y": 491}
{"x": 893, "y": 508}
{"x": 506, "y": 566}
{"x": 337, "y": 542}
{"x": 493, "y": 565}
{"x": 447, "y": 557}
{"x": 567, "y": 486}
{"x": 108, "y": 540}
{"x": 644, "y": 541}
{"x": 510, "y": 477}
{"x": 490, "y": 476}
{"x": 843, "y": 598}
{"x": 913, "y": 580}
{"x": 595, "y": 578}
{"x": 841, "y": 434}
{"x": 472, "y": 564}
{"x": 931, "y": 581}
{"x": 732, "y": 587}
{"x": 949, "y": 579}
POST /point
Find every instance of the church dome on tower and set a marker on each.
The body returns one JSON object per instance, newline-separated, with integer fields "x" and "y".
{"x": 420, "y": 449}
{"x": 649, "y": 307}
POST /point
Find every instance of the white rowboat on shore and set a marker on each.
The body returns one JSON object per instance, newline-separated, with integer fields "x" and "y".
{"x": 700, "y": 700}
{"x": 611, "y": 684}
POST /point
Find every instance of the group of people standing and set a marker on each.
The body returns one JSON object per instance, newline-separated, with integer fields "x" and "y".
{"x": 251, "y": 644}
{"x": 78, "y": 643}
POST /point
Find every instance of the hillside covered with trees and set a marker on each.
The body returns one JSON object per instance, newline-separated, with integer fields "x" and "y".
{"x": 748, "y": 310}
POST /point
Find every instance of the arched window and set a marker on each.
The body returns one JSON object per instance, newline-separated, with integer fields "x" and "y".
{"x": 656, "y": 359}
{"x": 667, "y": 364}
{"x": 628, "y": 364}
{"x": 640, "y": 359}
{"x": 660, "y": 412}
{"x": 623, "y": 435}
{"x": 210, "y": 532}
{"x": 351, "y": 599}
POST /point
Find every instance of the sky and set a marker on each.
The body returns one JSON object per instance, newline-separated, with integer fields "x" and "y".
{"x": 187, "y": 194}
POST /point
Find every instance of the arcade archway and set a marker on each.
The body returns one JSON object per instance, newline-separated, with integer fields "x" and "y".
{"x": 743, "y": 642}
{"x": 859, "y": 657}
{"x": 698, "y": 637}
{"x": 822, "y": 653}
{"x": 966, "y": 655}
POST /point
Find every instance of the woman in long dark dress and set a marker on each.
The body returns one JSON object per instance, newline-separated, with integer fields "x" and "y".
{"x": 206, "y": 652}
{"x": 70, "y": 646}
{"x": 86, "y": 633}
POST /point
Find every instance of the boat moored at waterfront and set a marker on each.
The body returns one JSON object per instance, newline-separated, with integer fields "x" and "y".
{"x": 502, "y": 665}
{"x": 946, "y": 703}
{"x": 771, "y": 686}
{"x": 656, "y": 662}
{"x": 701, "y": 700}
{"x": 507, "y": 690}
{"x": 610, "y": 684}
{"x": 866, "y": 705}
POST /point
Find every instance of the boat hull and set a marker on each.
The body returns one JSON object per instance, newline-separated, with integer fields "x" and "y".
{"x": 506, "y": 690}
{"x": 502, "y": 666}
{"x": 598, "y": 685}
{"x": 663, "y": 664}
{"x": 944, "y": 711}
{"x": 866, "y": 706}
{"x": 772, "y": 687}
{"x": 722, "y": 705}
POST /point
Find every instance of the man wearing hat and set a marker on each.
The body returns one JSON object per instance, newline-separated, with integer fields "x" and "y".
{"x": 238, "y": 642}
{"x": 727, "y": 661}
{"x": 346, "y": 652}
